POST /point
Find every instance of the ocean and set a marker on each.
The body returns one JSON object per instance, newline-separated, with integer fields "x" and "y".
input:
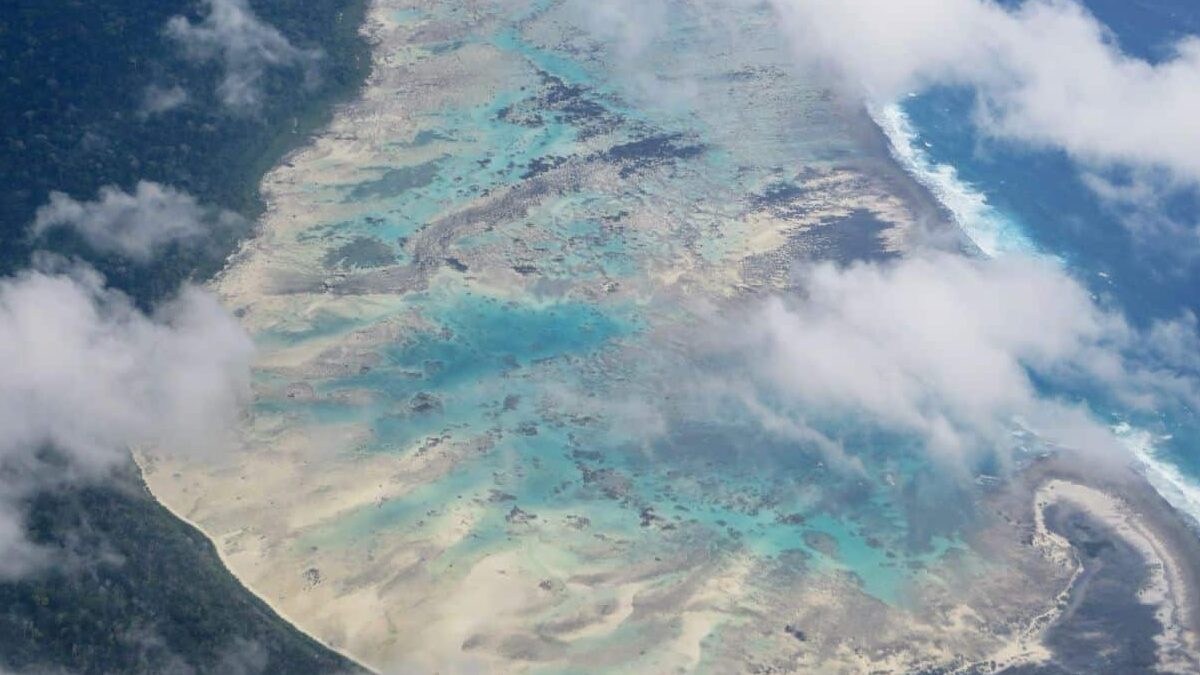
{"x": 1012, "y": 198}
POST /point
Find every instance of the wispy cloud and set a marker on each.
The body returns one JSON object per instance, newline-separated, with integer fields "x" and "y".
{"x": 139, "y": 224}
{"x": 157, "y": 100}
{"x": 246, "y": 47}
{"x": 1046, "y": 72}
{"x": 86, "y": 375}
{"x": 951, "y": 350}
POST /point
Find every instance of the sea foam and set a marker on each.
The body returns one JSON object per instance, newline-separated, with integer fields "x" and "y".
{"x": 997, "y": 234}
{"x": 1180, "y": 491}
{"x": 994, "y": 232}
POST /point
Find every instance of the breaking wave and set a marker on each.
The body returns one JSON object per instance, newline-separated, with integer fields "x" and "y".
{"x": 997, "y": 234}
{"x": 992, "y": 231}
{"x": 1180, "y": 491}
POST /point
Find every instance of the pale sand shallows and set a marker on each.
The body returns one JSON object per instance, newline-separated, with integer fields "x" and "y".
{"x": 143, "y": 460}
{"x": 479, "y": 589}
{"x": 291, "y": 512}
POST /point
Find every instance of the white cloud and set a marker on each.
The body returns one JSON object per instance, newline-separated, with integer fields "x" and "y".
{"x": 136, "y": 225}
{"x": 1047, "y": 72}
{"x": 1141, "y": 200}
{"x": 17, "y": 555}
{"x": 943, "y": 347}
{"x": 246, "y": 47}
{"x": 85, "y": 373}
{"x": 157, "y": 100}
{"x": 633, "y": 25}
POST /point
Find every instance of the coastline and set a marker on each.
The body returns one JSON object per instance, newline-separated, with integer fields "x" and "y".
{"x": 1179, "y": 490}
{"x": 307, "y": 126}
{"x": 928, "y": 210}
{"x": 1127, "y": 501}
{"x": 141, "y": 464}
{"x": 1128, "y": 507}
{"x": 140, "y": 587}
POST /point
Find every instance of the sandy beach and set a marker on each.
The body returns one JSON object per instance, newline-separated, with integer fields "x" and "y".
{"x": 142, "y": 462}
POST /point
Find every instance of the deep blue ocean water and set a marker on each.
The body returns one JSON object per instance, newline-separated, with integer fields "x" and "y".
{"x": 1140, "y": 262}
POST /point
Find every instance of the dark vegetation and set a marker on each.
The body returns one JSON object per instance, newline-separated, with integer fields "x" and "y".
{"x": 72, "y": 77}
{"x": 144, "y": 592}
{"x": 140, "y": 592}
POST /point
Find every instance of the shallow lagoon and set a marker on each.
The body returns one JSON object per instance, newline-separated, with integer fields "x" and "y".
{"x": 492, "y": 415}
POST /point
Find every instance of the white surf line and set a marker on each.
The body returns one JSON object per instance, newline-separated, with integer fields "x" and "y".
{"x": 991, "y": 230}
{"x": 1180, "y": 491}
{"x": 995, "y": 235}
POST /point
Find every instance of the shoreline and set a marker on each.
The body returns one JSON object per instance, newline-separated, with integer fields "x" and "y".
{"x": 1129, "y": 502}
{"x": 278, "y": 611}
{"x": 308, "y": 124}
{"x": 1125, "y": 502}
{"x": 933, "y": 219}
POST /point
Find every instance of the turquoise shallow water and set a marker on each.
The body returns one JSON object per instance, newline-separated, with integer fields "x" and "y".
{"x": 543, "y": 366}
{"x": 516, "y": 404}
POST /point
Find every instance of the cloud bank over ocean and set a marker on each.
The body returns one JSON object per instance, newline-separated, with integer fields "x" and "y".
{"x": 1045, "y": 72}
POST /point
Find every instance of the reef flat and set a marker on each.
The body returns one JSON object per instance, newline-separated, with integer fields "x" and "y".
{"x": 489, "y": 431}
{"x": 1131, "y": 604}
